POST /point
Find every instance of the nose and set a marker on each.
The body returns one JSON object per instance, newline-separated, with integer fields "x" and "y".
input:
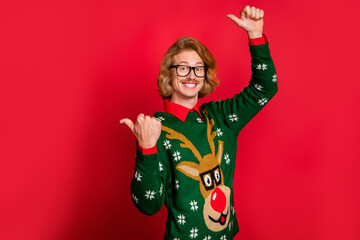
{"x": 218, "y": 200}
{"x": 191, "y": 74}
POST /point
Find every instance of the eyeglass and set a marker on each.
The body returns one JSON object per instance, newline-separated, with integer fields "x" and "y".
{"x": 183, "y": 70}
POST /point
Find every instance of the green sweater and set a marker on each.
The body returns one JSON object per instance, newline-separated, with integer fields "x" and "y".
{"x": 192, "y": 171}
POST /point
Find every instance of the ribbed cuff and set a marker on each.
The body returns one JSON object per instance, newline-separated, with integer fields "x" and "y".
{"x": 258, "y": 41}
{"x": 147, "y": 151}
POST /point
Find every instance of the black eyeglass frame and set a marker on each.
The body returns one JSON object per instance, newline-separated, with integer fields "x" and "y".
{"x": 191, "y": 68}
{"x": 213, "y": 178}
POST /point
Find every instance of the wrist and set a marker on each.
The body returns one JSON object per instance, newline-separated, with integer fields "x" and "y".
{"x": 253, "y": 35}
{"x": 146, "y": 145}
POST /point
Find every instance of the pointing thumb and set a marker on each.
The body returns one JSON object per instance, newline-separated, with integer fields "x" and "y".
{"x": 128, "y": 123}
{"x": 235, "y": 19}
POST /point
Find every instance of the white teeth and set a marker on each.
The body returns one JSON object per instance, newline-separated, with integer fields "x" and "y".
{"x": 190, "y": 85}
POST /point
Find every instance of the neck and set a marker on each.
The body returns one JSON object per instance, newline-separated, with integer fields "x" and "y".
{"x": 186, "y": 102}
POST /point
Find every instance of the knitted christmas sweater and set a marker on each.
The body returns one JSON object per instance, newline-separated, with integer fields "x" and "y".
{"x": 192, "y": 171}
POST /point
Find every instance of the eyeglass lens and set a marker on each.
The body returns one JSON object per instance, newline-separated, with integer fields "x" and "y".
{"x": 183, "y": 70}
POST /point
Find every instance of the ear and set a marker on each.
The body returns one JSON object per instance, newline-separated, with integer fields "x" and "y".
{"x": 220, "y": 151}
{"x": 190, "y": 169}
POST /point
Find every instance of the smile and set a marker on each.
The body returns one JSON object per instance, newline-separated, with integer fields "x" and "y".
{"x": 221, "y": 219}
{"x": 189, "y": 84}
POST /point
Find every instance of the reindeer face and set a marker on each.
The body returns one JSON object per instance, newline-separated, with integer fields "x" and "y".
{"x": 217, "y": 209}
{"x": 211, "y": 183}
{"x": 217, "y": 199}
{"x": 208, "y": 173}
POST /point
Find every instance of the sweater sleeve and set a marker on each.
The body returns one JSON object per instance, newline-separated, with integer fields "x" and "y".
{"x": 236, "y": 112}
{"x": 148, "y": 183}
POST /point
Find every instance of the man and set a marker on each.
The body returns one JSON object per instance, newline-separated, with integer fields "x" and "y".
{"x": 186, "y": 154}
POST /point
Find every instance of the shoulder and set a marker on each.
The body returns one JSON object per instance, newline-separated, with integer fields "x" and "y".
{"x": 210, "y": 107}
{"x": 160, "y": 116}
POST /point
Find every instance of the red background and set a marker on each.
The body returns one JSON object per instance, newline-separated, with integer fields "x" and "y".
{"x": 70, "y": 70}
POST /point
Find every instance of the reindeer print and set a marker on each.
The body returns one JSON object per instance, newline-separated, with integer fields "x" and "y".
{"x": 207, "y": 172}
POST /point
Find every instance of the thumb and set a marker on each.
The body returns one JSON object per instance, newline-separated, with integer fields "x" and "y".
{"x": 128, "y": 123}
{"x": 236, "y": 20}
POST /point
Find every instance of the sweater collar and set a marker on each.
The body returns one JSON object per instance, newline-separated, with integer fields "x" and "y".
{"x": 178, "y": 110}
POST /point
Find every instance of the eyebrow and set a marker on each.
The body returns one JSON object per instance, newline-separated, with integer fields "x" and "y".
{"x": 188, "y": 63}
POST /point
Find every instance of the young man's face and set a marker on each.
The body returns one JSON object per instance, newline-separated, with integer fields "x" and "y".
{"x": 187, "y": 88}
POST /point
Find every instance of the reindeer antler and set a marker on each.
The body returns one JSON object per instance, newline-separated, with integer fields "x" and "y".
{"x": 211, "y": 135}
{"x": 186, "y": 143}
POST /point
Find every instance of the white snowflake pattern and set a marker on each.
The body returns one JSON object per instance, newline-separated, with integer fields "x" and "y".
{"x": 177, "y": 184}
{"x": 219, "y": 132}
{"x": 263, "y": 101}
{"x": 233, "y": 117}
{"x": 223, "y": 237}
{"x": 274, "y": 78}
{"x": 177, "y": 156}
{"x": 138, "y": 176}
{"x": 194, "y": 205}
{"x": 261, "y": 67}
{"x": 160, "y": 167}
{"x": 258, "y": 87}
{"x": 227, "y": 158}
{"x": 181, "y": 219}
{"x": 160, "y": 119}
{"x": 233, "y": 210}
{"x": 161, "y": 189}
{"x": 176, "y": 238}
{"x": 149, "y": 194}
{"x": 193, "y": 233}
{"x": 135, "y": 198}
{"x": 199, "y": 120}
{"x": 230, "y": 225}
{"x": 207, "y": 238}
{"x": 167, "y": 144}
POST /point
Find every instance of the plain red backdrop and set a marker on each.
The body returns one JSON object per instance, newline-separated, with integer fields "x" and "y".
{"x": 69, "y": 70}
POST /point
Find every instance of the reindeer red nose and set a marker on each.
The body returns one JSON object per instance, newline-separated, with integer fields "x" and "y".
{"x": 218, "y": 200}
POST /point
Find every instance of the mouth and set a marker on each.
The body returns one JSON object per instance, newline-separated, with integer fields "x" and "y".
{"x": 221, "y": 219}
{"x": 190, "y": 84}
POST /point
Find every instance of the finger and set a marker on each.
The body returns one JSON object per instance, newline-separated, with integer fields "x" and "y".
{"x": 128, "y": 123}
{"x": 261, "y": 14}
{"x": 257, "y": 14}
{"x": 235, "y": 19}
{"x": 253, "y": 13}
{"x": 245, "y": 13}
{"x": 154, "y": 118}
{"x": 140, "y": 117}
{"x": 157, "y": 121}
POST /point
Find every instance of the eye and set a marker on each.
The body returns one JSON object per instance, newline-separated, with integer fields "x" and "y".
{"x": 207, "y": 180}
{"x": 183, "y": 68}
{"x": 217, "y": 176}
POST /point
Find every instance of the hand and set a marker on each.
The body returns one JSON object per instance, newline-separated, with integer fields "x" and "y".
{"x": 146, "y": 129}
{"x": 251, "y": 20}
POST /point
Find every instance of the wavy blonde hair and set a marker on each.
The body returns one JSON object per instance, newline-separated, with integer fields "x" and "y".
{"x": 165, "y": 77}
